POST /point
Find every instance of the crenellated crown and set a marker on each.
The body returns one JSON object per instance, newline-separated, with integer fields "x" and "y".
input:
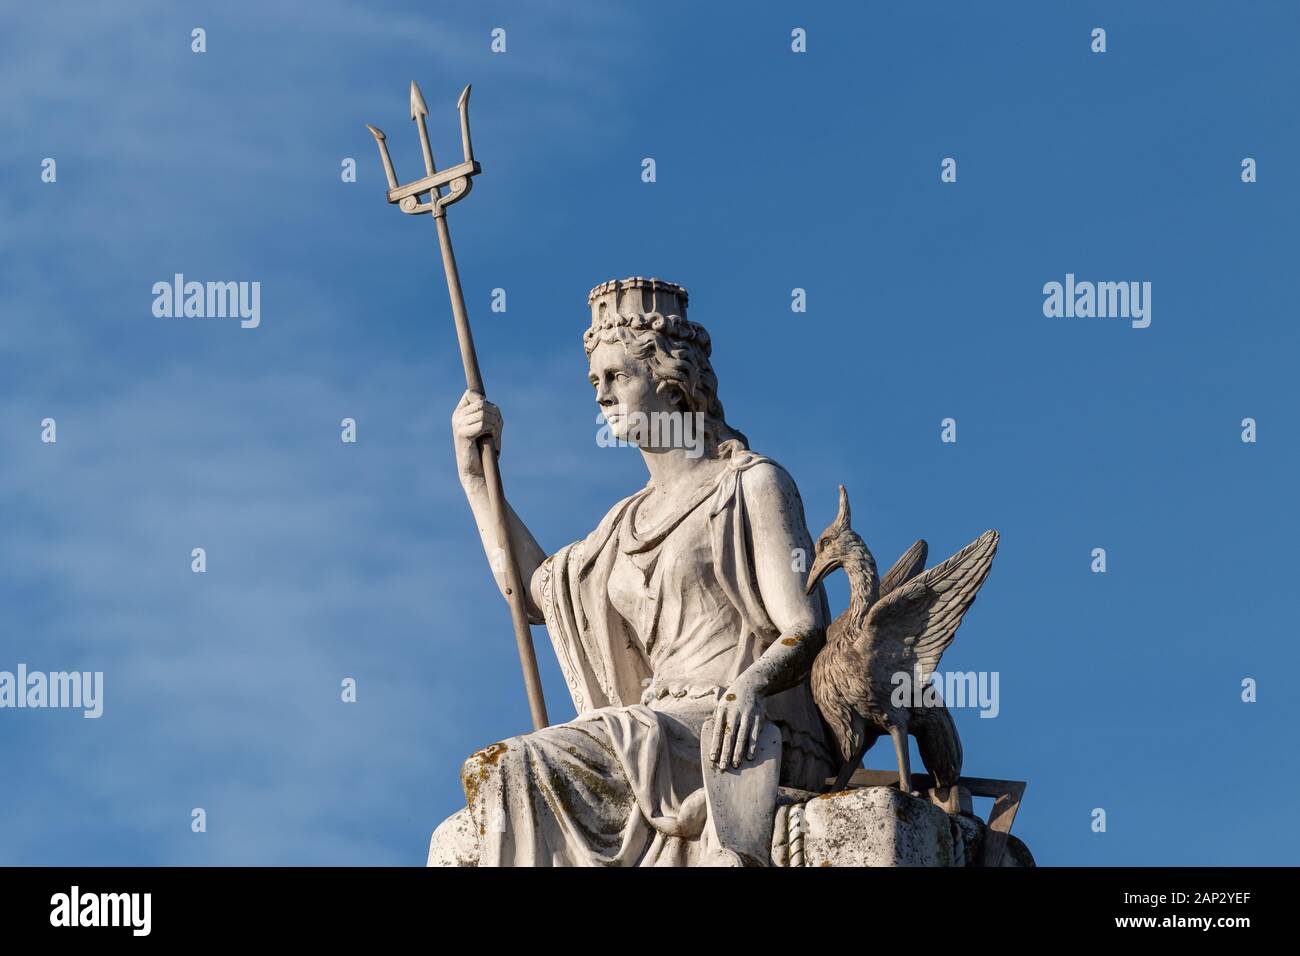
{"x": 640, "y": 303}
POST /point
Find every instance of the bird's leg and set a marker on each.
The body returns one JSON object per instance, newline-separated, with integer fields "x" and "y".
{"x": 899, "y": 736}
{"x": 852, "y": 764}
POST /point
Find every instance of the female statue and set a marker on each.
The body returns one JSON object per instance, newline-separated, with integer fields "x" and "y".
{"x": 681, "y": 619}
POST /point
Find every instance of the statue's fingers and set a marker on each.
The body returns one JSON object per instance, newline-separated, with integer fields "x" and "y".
{"x": 715, "y": 745}
{"x": 742, "y": 738}
{"x": 470, "y": 425}
{"x": 728, "y": 741}
{"x": 754, "y": 728}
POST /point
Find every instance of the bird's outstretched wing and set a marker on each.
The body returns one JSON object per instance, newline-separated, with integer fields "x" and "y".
{"x": 906, "y": 567}
{"x": 924, "y": 613}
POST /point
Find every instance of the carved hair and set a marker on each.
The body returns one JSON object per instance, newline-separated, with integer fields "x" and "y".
{"x": 676, "y": 351}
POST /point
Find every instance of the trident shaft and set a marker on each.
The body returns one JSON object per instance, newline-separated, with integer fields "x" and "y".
{"x": 457, "y": 179}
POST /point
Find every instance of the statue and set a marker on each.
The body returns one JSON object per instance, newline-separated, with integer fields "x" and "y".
{"x": 686, "y": 628}
{"x": 681, "y": 620}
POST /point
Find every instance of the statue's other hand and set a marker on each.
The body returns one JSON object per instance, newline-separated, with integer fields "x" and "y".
{"x": 474, "y": 417}
{"x": 736, "y": 724}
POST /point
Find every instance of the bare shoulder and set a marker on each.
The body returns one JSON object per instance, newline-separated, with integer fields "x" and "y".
{"x": 767, "y": 479}
{"x": 771, "y": 491}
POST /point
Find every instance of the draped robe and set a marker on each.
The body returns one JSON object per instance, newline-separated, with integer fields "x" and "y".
{"x": 649, "y": 629}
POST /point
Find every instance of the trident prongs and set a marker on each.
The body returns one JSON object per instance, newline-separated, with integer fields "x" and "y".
{"x": 418, "y": 112}
{"x": 457, "y": 178}
{"x": 463, "y": 105}
{"x": 383, "y": 155}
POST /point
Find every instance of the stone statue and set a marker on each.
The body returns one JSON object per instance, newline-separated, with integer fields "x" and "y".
{"x": 682, "y": 625}
{"x": 686, "y": 631}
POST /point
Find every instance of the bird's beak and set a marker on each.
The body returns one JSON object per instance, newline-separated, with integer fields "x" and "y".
{"x": 821, "y": 566}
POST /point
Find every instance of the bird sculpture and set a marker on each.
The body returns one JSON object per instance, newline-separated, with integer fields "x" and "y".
{"x": 899, "y": 625}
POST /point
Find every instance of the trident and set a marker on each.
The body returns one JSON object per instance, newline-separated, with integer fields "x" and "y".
{"x": 458, "y": 180}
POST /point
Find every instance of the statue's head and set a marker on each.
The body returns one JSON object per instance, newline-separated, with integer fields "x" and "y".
{"x": 647, "y": 358}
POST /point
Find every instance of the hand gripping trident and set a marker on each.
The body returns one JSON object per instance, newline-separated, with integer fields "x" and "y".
{"x": 407, "y": 197}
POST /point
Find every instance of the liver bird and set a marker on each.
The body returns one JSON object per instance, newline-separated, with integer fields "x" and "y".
{"x": 901, "y": 625}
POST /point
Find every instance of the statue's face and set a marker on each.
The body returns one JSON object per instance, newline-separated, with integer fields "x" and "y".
{"x": 625, "y": 390}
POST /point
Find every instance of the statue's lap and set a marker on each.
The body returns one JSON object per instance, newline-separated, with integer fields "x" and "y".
{"x": 590, "y": 784}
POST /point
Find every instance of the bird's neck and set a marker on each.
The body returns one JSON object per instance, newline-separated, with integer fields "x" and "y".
{"x": 864, "y": 584}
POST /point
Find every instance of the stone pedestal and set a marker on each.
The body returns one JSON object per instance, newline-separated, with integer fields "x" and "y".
{"x": 878, "y": 826}
{"x": 868, "y": 826}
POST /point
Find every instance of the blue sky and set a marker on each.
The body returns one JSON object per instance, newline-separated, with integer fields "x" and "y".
{"x": 774, "y": 171}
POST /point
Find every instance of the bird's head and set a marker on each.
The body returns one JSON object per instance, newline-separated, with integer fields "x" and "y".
{"x": 838, "y": 545}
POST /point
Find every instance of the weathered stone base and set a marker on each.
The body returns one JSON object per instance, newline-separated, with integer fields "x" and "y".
{"x": 869, "y": 826}
{"x": 878, "y": 826}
